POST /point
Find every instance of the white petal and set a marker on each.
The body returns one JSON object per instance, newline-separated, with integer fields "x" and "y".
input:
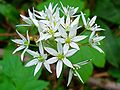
{"x": 57, "y": 34}
{"x": 65, "y": 48}
{"x": 76, "y": 21}
{"x": 31, "y": 63}
{"x": 23, "y": 25}
{"x": 47, "y": 66}
{"x": 50, "y": 7}
{"x": 84, "y": 20}
{"x": 79, "y": 76}
{"x": 35, "y": 22}
{"x": 59, "y": 47}
{"x": 30, "y": 14}
{"x": 99, "y": 49}
{"x": 62, "y": 31}
{"x": 33, "y": 53}
{"x": 91, "y": 35}
{"x": 67, "y": 63}
{"x": 42, "y": 37}
{"x": 41, "y": 48}
{"x": 48, "y": 36}
{"x": 55, "y": 7}
{"x": 22, "y": 55}
{"x": 71, "y": 52}
{"x": 75, "y": 10}
{"x": 51, "y": 51}
{"x": 68, "y": 20}
{"x": 73, "y": 31}
{"x": 74, "y": 45}
{"x": 23, "y": 38}
{"x": 28, "y": 38}
{"x": 18, "y": 49}
{"x": 62, "y": 20}
{"x": 92, "y": 21}
{"x": 78, "y": 38}
{"x": 99, "y": 29}
{"x": 52, "y": 60}
{"x": 26, "y": 19}
{"x": 70, "y": 76}
{"x": 18, "y": 41}
{"x": 60, "y": 40}
{"x": 97, "y": 39}
{"x": 59, "y": 68}
{"x": 37, "y": 68}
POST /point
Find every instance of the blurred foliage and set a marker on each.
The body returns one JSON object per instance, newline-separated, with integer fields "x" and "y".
{"x": 13, "y": 74}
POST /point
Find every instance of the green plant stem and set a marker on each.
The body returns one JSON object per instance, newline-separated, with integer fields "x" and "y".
{"x": 83, "y": 31}
{"x": 33, "y": 45}
{"x": 83, "y": 44}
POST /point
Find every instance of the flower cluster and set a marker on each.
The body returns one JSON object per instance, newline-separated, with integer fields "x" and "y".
{"x": 58, "y": 38}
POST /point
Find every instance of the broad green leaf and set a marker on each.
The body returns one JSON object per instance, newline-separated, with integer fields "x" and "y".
{"x": 39, "y": 85}
{"x": 86, "y": 71}
{"x": 114, "y": 72}
{"x": 22, "y": 78}
{"x": 111, "y": 46}
{"x": 107, "y": 10}
{"x": 88, "y": 53}
{"x": 9, "y": 12}
{"x": 6, "y": 83}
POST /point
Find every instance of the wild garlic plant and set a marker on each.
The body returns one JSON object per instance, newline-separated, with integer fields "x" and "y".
{"x": 59, "y": 37}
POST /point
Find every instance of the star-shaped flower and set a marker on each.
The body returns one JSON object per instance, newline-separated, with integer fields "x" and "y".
{"x": 71, "y": 39}
{"x": 38, "y": 59}
{"x": 30, "y": 21}
{"x": 23, "y": 44}
{"x": 61, "y": 56}
{"x": 73, "y": 71}
{"x": 90, "y": 24}
{"x": 71, "y": 11}
{"x": 68, "y": 24}
{"x": 94, "y": 41}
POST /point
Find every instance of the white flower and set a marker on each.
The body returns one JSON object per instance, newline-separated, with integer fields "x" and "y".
{"x": 94, "y": 40}
{"x": 90, "y": 24}
{"x": 69, "y": 23}
{"x": 50, "y": 31}
{"x": 31, "y": 20}
{"x": 60, "y": 56}
{"x": 73, "y": 71}
{"x": 71, "y": 39}
{"x": 47, "y": 14}
{"x": 39, "y": 59}
{"x": 71, "y": 11}
{"x": 23, "y": 44}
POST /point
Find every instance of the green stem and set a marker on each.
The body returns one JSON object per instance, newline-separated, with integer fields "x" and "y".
{"x": 83, "y": 31}
{"x": 83, "y": 44}
{"x": 33, "y": 45}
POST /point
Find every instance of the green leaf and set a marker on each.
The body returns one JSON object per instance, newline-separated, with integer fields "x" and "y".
{"x": 9, "y": 12}
{"x": 87, "y": 53}
{"x": 111, "y": 46}
{"x": 72, "y": 3}
{"x": 107, "y": 10}
{"x": 18, "y": 76}
{"x": 114, "y": 72}
{"x": 39, "y": 85}
{"x": 85, "y": 71}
